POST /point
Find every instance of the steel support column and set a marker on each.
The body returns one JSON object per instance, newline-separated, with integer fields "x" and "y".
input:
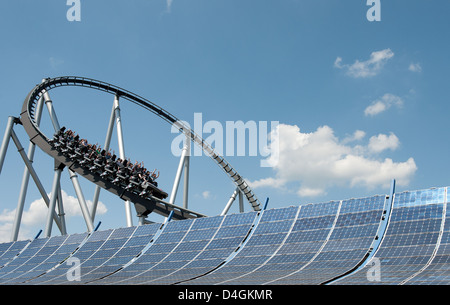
{"x": 106, "y": 147}
{"x": 184, "y": 163}
{"x": 241, "y": 202}
{"x": 122, "y": 153}
{"x": 25, "y": 180}
{"x": 61, "y": 213}
{"x": 73, "y": 176}
{"x": 186, "y": 175}
{"x": 5, "y": 142}
{"x": 82, "y": 201}
{"x": 230, "y": 202}
{"x": 52, "y": 205}
{"x": 34, "y": 176}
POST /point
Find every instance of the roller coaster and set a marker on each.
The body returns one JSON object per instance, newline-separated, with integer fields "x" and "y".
{"x": 67, "y": 154}
{"x": 399, "y": 238}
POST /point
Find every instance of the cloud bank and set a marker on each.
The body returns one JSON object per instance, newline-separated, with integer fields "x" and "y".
{"x": 36, "y": 215}
{"x": 318, "y": 160}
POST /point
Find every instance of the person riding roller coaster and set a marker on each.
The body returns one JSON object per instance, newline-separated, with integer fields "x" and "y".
{"x": 132, "y": 177}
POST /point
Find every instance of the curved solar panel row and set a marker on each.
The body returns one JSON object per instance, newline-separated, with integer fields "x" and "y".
{"x": 337, "y": 242}
{"x": 414, "y": 249}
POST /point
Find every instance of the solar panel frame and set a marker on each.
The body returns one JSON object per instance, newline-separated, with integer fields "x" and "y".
{"x": 307, "y": 244}
{"x": 411, "y": 239}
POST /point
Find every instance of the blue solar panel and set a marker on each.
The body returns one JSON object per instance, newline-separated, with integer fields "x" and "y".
{"x": 47, "y": 257}
{"x": 335, "y": 242}
{"x": 168, "y": 255}
{"x": 410, "y": 242}
{"x": 212, "y": 252}
{"x": 23, "y": 261}
{"x": 11, "y": 250}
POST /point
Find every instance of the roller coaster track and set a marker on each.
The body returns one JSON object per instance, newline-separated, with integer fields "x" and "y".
{"x": 143, "y": 205}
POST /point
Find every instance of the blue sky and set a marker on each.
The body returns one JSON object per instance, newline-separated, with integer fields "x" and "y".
{"x": 358, "y": 102}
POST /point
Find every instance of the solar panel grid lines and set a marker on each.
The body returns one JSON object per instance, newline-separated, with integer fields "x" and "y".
{"x": 235, "y": 231}
{"x": 338, "y": 242}
{"x": 216, "y": 249}
{"x": 380, "y": 233}
{"x": 124, "y": 255}
{"x": 438, "y": 243}
{"x": 283, "y": 218}
{"x": 12, "y": 250}
{"x": 96, "y": 266}
{"x": 438, "y": 272}
{"x": 142, "y": 233}
{"x": 12, "y": 269}
{"x": 227, "y": 240}
{"x": 71, "y": 245}
{"x": 40, "y": 262}
{"x": 410, "y": 242}
{"x": 86, "y": 250}
{"x": 407, "y": 252}
{"x": 300, "y": 248}
{"x": 322, "y": 209}
{"x": 286, "y": 278}
{"x": 196, "y": 235}
{"x": 169, "y": 239}
{"x": 346, "y": 245}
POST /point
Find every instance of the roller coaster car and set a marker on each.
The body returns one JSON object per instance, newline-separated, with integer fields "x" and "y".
{"x": 154, "y": 191}
{"x": 107, "y": 169}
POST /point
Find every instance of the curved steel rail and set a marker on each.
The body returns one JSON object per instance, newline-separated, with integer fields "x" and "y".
{"x": 143, "y": 206}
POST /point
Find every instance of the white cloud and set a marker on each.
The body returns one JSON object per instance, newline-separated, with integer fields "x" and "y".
{"x": 338, "y": 63}
{"x": 318, "y": 160}
{"x": 382, "y": 142}
{"x": 384, "y": 103}
{"x": 370, "y": 67}
{"x": 358, "y": 135}
{"x": 36, "y": 215}
{"x": 267, "y": 182}
{"x": 415, "y": 67}
{"x": 310, "y": 192}
{"x": 206, "y": 195}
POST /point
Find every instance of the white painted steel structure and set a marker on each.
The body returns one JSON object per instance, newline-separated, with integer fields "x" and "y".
{"x": 30, "y": 118}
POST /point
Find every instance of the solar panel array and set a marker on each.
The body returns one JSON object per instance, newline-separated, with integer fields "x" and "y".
{"x": 373, "y": 240}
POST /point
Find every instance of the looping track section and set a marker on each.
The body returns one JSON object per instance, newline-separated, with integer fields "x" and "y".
{"x": 143, "y": 206}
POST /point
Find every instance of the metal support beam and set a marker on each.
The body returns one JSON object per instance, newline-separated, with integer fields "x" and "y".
{"x": 5, "y": 142}
{"x": 51, "y": 111}
{"x": 73, "y": 176}
{"x": 122, "y": 153}
{"x": 34, "y": 176}
{"x": 241, "y": 202}
{"x": 61, "y": 213}
{"x": 106, "y": 147}
{"x": 186, "y": 175}
{"x": 82, "y": 201}
{"x": 183, "y": 158}
{"x": 52, "y": 205}
{"x": 25, "y": 180}
{"x": 230, "y": 202}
